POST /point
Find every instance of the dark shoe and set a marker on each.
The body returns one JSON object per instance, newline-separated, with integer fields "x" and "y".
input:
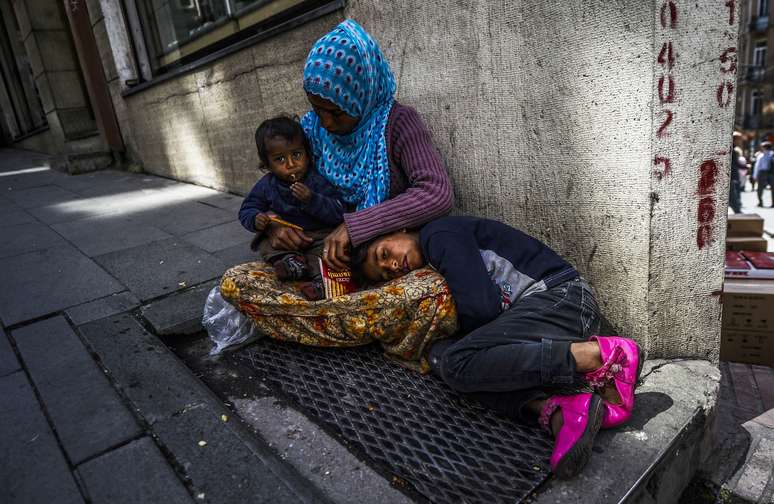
{"x": 313, "y": 291}
{"x": 291, "y": 267}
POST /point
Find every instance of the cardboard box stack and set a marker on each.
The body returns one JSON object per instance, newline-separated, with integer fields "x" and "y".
{"x": 745, "y": 232}
{"x": 747, "y": 333}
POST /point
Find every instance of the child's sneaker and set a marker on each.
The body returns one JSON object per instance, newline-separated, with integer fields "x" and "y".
{"x": 313, "y": 291}
{"x": 291, "y": 267}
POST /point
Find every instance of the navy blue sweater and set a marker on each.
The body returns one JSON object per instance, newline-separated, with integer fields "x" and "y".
{"x": 325, "y": 209}
{"x": 488, "y": 265}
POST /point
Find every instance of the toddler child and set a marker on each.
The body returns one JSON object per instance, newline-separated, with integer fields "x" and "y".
{"x": 295, "y": 192}
{"x": 528, "y": 320}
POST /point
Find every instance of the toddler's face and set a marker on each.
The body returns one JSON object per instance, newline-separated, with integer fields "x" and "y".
{"x": 393, "y": 256}
{"x": 287, "y": 160}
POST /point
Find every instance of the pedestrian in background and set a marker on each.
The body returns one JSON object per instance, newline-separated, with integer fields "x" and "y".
{"x": 762, "y": 173}
{"x": 734, "y": 198}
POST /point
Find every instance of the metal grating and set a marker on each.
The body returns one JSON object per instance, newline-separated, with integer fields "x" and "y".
{"x": 450, "y": 449}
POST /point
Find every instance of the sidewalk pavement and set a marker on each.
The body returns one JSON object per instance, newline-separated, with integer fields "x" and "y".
{"x": 95, "y": 408}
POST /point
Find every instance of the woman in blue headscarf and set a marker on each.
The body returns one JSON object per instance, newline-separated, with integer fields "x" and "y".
{"x": 376, "y": 151}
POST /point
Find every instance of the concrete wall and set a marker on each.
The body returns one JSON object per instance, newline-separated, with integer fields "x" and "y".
{"x": 547, "y": 115}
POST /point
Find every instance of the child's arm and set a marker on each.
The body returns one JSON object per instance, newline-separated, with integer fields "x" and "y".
{"x": 254, "y": 204}
{"x": 323, "y": 207}
{"x": 457, "y": 257}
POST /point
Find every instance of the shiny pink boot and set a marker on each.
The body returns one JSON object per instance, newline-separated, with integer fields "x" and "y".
{"x": 582, "y": 416}
{"x": 622, "y": 365}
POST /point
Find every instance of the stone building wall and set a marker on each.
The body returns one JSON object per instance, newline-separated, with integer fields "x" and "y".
{"x": 557, "y": 118}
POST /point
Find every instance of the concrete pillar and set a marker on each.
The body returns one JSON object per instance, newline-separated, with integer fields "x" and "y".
{"x": 55, "y": 68}
{"x": 603, "y": 128}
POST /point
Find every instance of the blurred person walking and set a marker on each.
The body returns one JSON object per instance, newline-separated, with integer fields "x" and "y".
{"x": 762, "y": 173}
{"x": 734, "y": 197}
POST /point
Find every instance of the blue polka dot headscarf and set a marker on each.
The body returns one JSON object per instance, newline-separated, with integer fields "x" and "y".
{"x": 347, "y": 68}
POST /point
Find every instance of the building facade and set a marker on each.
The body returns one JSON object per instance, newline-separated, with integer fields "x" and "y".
{"x": 755, "y": 99}
{"x": 599, "y": 127}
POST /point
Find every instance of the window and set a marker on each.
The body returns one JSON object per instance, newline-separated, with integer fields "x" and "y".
{"x": 763, "y": 8}
{"x": 759, "y": 54}
{"x": 177, "y": 32}
{"x": 20, "y": 104}
{"x": 756, "y": 102}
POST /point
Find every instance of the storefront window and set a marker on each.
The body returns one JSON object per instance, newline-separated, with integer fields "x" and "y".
{"x": 178, "y": 31}
{"x": 178, "y": 21}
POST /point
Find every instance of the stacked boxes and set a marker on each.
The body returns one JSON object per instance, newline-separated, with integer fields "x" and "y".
{"x": 748, "y": 322}
{"x": 745, "y": 232}
{"x": 747, "y": 333}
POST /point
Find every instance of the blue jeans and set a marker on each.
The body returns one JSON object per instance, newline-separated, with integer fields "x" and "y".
{"x": 524, "y": 353}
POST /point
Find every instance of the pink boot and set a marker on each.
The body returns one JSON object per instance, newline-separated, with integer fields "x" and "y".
{"x": 582, "y": 415}
{"x": 622, "y": 365}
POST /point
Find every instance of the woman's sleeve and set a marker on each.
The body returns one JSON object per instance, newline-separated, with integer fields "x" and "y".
{"x": 428, "y": 196}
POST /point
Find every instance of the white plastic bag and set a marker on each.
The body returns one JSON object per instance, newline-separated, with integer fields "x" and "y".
{"x": 226, "y": 325}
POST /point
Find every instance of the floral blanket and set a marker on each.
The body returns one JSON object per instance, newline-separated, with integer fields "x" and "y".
{"x": 403, "y": 315}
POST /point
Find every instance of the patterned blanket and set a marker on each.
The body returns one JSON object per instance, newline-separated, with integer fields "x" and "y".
{"x": 404, "y": 315}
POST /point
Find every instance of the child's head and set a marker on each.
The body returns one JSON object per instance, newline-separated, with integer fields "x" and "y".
{"x": 387, "y": 257}
{"x": 283, "y": 148}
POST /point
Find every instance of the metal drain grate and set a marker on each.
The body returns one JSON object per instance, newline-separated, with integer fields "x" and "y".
{"x": 450, "y": 449}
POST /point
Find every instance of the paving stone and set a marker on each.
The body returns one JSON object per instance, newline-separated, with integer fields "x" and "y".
{"x": 764, "y": 378}
{"x": 225, "y": 469}
{"x": 41, "y": 196}
{"x": 8, "y": 361}
{"x": 766, "y": 419}
{"x": 107, "y": 233}
{"x": 33, "y": 467}
{"x": 131, "y": 474}
{"x": 238, "y": 254}
{"x": 220, "y": 237}
{"x": 86, "y": 411}
{"x": 29, "y": 237}
{"x": 745, "y": 388}
{"x": 756, "y": 472}
{"x": 12, "y": 217}
{"x": 103, "y": 307}
{"x": 180, "y": 313}
{"x": 14, "y": 183}
{"x": 155, "y": 381}
{"x": 226, "y": 201}
{"x": 46, "y": 281}
{"x": 184, "y": 217}
{"x": 159, "y": 267}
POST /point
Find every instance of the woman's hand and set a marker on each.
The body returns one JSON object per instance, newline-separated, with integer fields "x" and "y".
{"x": 286, "y": 238}
{"x": 336, "y": 248}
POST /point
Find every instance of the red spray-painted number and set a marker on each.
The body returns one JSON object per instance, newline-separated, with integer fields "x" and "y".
{"x": 669, "y": 14}
{"x": 666, "y": 56}
{"x": 703, "y": 236}
{"x": 705, "y": 213}
{"x": 724, "y": 93}
{"x": 661, "y": 160}
{"x": 728, "y": 60}
{"x": 706, "y": 210}
{"x": 667, "y": 96}
{"x": 708, "y": 176}
{"x": 662, "y": 130}
{"x": 731, "y": 4}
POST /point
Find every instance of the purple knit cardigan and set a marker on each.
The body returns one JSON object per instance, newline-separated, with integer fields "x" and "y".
{"x": 420, "y": 189}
